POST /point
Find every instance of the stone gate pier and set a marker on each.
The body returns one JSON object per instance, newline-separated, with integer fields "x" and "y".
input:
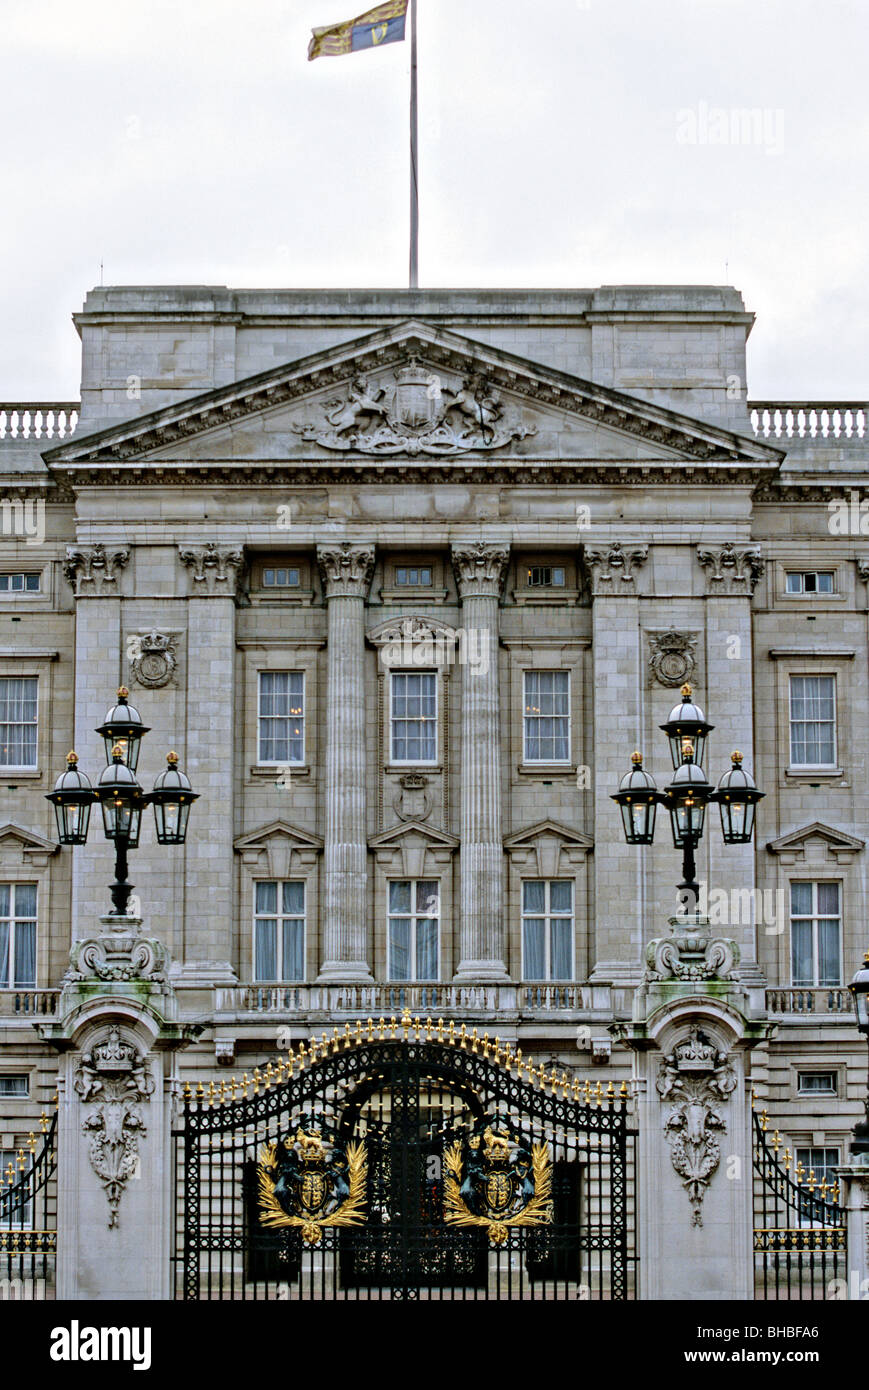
{"x": 693, "y": 1026}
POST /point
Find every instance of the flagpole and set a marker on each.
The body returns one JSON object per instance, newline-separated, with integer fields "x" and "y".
{"x": 414, "y": 161}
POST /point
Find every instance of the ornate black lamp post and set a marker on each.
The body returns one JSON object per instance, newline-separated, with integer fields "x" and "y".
{"x": 688, "y": 795}
{"x": 859, "y": 988}
{"x": 121, "y": 797}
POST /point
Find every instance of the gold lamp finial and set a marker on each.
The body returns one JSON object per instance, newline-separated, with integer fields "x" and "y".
{"x": 123, "y": 692}
{"x": 72, "y": 758}
{"x": 118, "y": 751}
{"x": 637, "y": 759}
{"x": 686, "y": 691}
{"x": 172, "y": 759}
{"x": 736, "y": 758}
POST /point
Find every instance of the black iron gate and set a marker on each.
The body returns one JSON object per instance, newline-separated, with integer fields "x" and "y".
{"x": 28, "y": 1217}
{"x": 405, "y": 1160}
{"x": 800, "y": 1230}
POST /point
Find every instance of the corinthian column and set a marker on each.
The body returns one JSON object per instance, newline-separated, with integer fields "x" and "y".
{"x": 479, "y": 573}
{"x": 346, "y": 571}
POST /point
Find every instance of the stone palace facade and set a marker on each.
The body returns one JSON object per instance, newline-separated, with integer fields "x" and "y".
{"x": 405, "y": 577}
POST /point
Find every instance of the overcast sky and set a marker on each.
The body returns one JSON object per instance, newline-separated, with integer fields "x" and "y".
{"x": 563, "y": 143}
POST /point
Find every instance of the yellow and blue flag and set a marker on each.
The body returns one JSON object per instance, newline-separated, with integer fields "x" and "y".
{"x": 383, "y": 24}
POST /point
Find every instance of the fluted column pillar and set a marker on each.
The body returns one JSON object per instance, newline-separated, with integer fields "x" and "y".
{"x": 479, "y": 573}
{"x": 346, "y": 571}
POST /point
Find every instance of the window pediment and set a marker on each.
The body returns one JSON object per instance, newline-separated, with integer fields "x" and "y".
{"x": 814, "y": 841}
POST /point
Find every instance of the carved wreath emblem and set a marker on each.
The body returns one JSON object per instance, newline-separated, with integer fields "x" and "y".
{"x": 309, "y": 1182}
{"x": 673, "y": 660}
{"x": 696, "y": 1078}
{"x": 152, "y": 659}
{"x": 495, "y": 1180}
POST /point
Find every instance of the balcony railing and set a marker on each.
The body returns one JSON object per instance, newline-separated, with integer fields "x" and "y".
{"x": 39, "y": 419}
{"x": 436, "y": 1000}
{"x": 28, "y": 1003}
{"x": 824, "y": 422}
{"x": 829, "y": 1000}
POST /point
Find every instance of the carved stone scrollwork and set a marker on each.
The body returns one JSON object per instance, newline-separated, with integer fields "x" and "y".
{"x": 118, "y": 954}
{"x": 152, "y": 659}
{"x": 613, "y": 568}
{"x": 673, "y": 658}
{"x": 691, "y": 952}
{"x": 215, "y": 569}
{"x": 91, "y": 570}
{"x": 696, "y": 1078}
{"x": 418, "y": 414}
{"x": 480, "y": 569}
{"x": 731, "y": 570}
{"x": 346, "y": 569}
{"x": 114, "y": 1074}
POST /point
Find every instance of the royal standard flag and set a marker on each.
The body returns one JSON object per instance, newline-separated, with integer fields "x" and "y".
{"x": 383, "y": 24}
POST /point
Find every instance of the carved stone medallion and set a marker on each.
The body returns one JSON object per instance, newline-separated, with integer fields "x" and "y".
{"x": 115, "y": 1076}
{"x": 697, "y": 1078}
{"x": 152, "y": 659}
{"x": 673, "y": 656}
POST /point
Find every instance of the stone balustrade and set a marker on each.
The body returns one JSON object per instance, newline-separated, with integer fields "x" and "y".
{"x": 28, "y": 1003}
{"x": 437, "y": 1000}
{"x": 38, "y": 420}
{"x": 802, "y": 1001}
{"x": 824, "y": 422}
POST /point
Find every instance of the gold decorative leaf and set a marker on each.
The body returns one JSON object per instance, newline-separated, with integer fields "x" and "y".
{"x": 350, "y": 1213}
{"x": 537, "y": 1212}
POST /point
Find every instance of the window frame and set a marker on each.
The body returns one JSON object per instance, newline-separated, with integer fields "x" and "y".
{"x": 810, "y": 1093}
{"x": 13, "y": 919}
{"x": 546, "y": 762}
{"x": 435, "y": 719}
{"x": 279, "y": 917}
{"x": 414, "y": 917}
{"x": 812, "y": 675}
{"x": 548, "y": 917}
{"x": 282, "y": 671}
{"x": 814, "y": 917}
{"x": 9, "y": 768}
{"x": 24, "y": 591}
{"x": 803, "y": 592}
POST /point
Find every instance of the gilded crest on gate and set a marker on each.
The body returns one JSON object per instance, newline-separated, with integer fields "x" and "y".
{"x": 497, "y": 1179}
{"x": 309, "y": 1181}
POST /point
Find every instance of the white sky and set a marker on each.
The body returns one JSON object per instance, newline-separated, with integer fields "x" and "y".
{"x": 190, "y": 141}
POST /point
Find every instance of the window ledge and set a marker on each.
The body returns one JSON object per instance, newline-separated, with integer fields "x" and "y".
{"x": 413, "y": 595}
{"x": 290, "y": 770}
{"x": 262, "y": 598}
{"x": 546, "y": 770}
{"x": 20, "y": 774}
{"x": 814, "y": 774}
{"x": 527, "y": 598}
{"x": 413, "y": 767}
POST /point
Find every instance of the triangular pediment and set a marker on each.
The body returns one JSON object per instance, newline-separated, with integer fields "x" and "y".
{"x": 16, "y": 837}
{"x": 552, "y": 828}
{"x": 410, "y": 394}
{"x": 278, "y": 829}
{"x": 837, "y": 844}
{"x": 409, "y": 829}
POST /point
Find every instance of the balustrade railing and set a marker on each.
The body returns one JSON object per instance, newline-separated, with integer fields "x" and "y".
{"x": 434, "y": 999}
{"x": 829, "y": 1000}
{"x": 35, "y": 1003}
{"x": 38, "y": 419}
{"x": 825, "y": 422}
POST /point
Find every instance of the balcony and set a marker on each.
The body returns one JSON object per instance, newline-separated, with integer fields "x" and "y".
{"x": 24, "y": 1004}
{"x": 815, "y": 1003}
{"x": 47, "y": 420}
{"x": 817, "y": 422}
{"x": 562, "y": 1002}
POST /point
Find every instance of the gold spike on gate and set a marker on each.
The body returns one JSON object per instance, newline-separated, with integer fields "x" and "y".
{"x": 474, "y": 1040}
{"x": 381, "y": 1028}
{"x": 359, "y": 1032}
{"x": 463, "y": 1038}
{"x": 428, "y": 1027}
{"x": 406, "y": 1024}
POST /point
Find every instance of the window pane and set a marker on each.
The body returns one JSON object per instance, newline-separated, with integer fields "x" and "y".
{"x": 426, "y": 949}
{"x": 533, "y": 929}
{"x": 4, "y": 899}
{"x": 18, "y": 721}
{"x": 266, "y": 959}
{"x": 25, "y": 955}
{"x": 399, "y": 948}
{"x": 801, "y": 899}
{"x": 266, "y": 897}
{"x": 4, "y": 955}
{"x": 294, "y": 899}
{"x": 561, "y": 896}
{"x": 533, "y": 895}
{"x": 32, "y": 583}
{"x": 562, "y": 949}
{"x": 399, "y": 897}
{"x": 829, "y": 965}
{"x": 25, "y": 900}
{"x": 825, "y": 583}
{"x": 294, "y": 951}
{"x": 828, "y": 899}
{"x": 802, "y": 967}
{"x": 427, "y": 897}
{"x": 795, "y": 583}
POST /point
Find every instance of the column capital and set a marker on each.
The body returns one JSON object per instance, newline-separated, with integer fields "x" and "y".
{"x": 732, "y": 570}
{"x": 214, "y": 569}
{"x": 480, "y": 569}
{"x": 346, "y": 569}
{"x": 613, "y": 568}
{"x": 91, "y": 569}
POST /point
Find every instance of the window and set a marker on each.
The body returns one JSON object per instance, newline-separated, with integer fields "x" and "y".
{"x": 18, "y": 713}
{"x": 413, "y": 732}
{"x": 282, "y": 717}
{"x": 546, "y": 577}
{"x": 547, "y": 717}
{"x": 17, "y": 935}
{"x": 16, "y": 1208}
{"x": 413, "y": 576}
{"x": 813, "y": 721}
{"x": 14, "y": 1087}
{"x": 816, "y": 925}
{"x": 822, "y": 1162}
{"x": 547, "y": 929}
{"x": 19, "y": 583}
{"x": 281, "y": 578}
{"x": 414, "y": 929}
{"x": 810, "y": 582}
{"x": 816, "y": 1083}
{"x": 279, "y": 932}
